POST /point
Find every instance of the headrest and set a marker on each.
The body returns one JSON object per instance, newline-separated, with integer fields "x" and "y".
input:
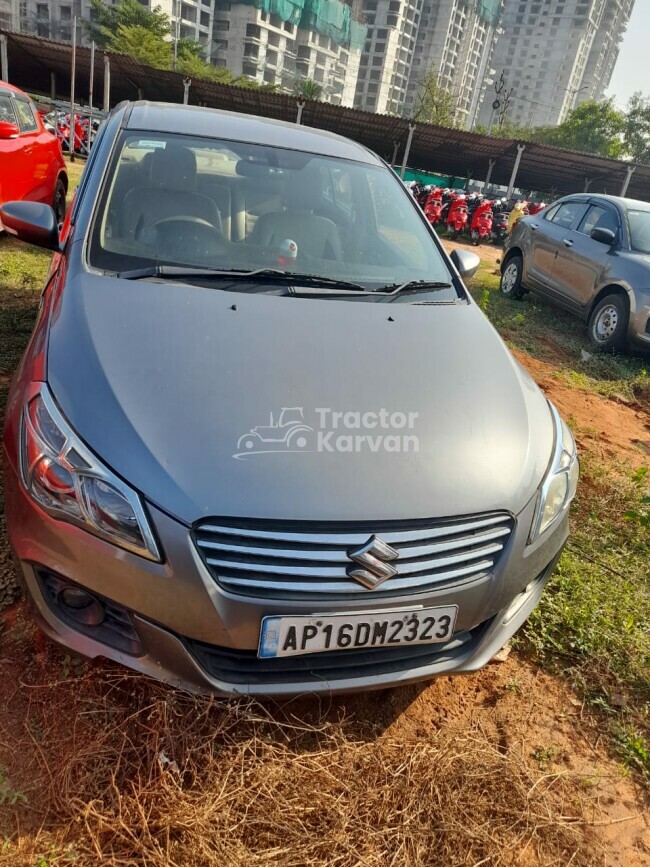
{"x": 173, "y": 168}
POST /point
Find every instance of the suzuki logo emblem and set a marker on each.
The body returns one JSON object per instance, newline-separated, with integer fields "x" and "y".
{"x": 375, "y": 557}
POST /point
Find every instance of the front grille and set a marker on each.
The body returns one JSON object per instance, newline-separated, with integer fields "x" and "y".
{"x": 297, "y": 560}
{"x": 243, "y": 666}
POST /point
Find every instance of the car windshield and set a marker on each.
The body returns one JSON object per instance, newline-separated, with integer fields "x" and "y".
{"x": 207, "y": 203}
{"x": 639, "y": 222}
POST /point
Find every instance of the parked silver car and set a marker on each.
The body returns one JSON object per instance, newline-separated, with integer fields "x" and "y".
{"x": 262, "y": 440}
{"x": 591, "y": 255}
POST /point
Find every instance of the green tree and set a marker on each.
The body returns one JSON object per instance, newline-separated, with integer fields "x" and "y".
{"x": 636, "y": 134}
{"x": 104, "y": 21}
{"x": 307, "y": 88}
{"x": 145, "y": 46}
{"x": 592, "y": 127}
{"x": 432, "y": 101}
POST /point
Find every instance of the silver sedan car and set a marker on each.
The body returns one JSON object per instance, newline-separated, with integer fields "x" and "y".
{"x": 591, "y": 255}
{"x": 263, "y": 440}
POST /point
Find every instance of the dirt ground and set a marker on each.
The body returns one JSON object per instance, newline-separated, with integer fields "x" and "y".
{"x": 512, "y": 703}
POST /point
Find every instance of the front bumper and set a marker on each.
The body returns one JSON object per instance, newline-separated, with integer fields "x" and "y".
{"x": 194, "y": 635}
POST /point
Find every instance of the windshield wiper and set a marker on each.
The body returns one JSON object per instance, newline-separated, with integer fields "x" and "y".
{"x": 413, "y": 286}
{"x": 274, "y": 275}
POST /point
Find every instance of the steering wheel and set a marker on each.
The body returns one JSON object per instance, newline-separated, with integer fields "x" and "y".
{"x": 187, "y": 236}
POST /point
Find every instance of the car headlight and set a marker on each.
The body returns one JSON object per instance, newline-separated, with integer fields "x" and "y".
{"x": 561, "y": 479}
{"x": 68, "y": 481}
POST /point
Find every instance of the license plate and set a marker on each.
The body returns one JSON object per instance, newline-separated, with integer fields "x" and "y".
{"x": 292, "y": 636}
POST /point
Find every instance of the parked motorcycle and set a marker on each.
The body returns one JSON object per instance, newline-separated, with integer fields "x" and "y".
{"x": 458, "y": 217}
{"x": 481, "y": 222}
{"x": 433, "y": 206}
{"x": 499, "y": 222}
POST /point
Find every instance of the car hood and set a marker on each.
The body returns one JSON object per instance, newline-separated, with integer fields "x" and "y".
{"x": 165, "y": 382}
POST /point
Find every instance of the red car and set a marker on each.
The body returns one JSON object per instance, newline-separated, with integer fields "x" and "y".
{"x": 31, "y": 163}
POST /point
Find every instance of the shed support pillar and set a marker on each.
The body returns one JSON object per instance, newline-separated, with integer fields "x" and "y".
{"x": 407, "y": 150}
{"x": 187, "y": 83}
{"x": 488, "y": 177}
{"x": 301, "y": 105}
{"x": 515, "y": 169}
{"x": 395, "y": 149}
{"x": 626, "y": 182}
{"x": 4, "y": 62}
{"x": 107, "y": 83}
{"x": 53, "y": 85}
{"x": 588, "y": 183}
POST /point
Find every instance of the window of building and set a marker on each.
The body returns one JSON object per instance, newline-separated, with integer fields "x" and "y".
{"x": 269, "y": 76}
{"x": 272, "y": 58}
{"x": 205, "y": 19}
{"x": 288, "y": 26}
{"x": 223, "y": 24}
{"x": 252, "y": 30}
{"x": 391, "y": 19}
{"x": 377, "y": 61}
{"x": 275, "y": 21}
{"x": 274, "y": 39}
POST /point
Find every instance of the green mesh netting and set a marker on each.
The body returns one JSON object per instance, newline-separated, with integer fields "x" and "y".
{"x": 437, "y": 180}
{"x": 358, "y": 33}
{"x": 287, "y": 10}
{"x": 487, "y": 10}
{"x": 329, "y": 17}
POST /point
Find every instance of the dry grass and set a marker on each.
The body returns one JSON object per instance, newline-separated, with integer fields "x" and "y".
{"x": 138, "y": 774}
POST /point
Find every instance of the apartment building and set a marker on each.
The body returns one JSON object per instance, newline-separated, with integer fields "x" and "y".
{"x": 289, "y": 40}
{"x": 51, "y": 19}
{"x": 387, "y": 57}
{"x": 9, "y": 14}
{"x": 456, "y": 38}
{"x": 556, "y": 54}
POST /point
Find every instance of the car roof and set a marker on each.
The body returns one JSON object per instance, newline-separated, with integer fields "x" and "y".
{"x": 232, "y": 126}
{"x": 636, "y": 204}
{"x": 4, "y": 85}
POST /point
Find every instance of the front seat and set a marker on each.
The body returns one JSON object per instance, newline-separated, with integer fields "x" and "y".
{"x": 316, "y": 236}
{"x": 170, "y": 193}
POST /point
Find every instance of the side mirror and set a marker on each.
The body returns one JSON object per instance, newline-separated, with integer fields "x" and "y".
{"x": 8, "y": 130}
{"x": 603, "y": 236}
{"x": 466, "y": 263}
{"x": 31, "y": 222}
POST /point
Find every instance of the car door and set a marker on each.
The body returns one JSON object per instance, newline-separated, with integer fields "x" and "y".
{"x": 546, "y": 236}
{"x": 580, "y": 260}
{"x": 9, "y": 152}
{"x": 34, "y": 154}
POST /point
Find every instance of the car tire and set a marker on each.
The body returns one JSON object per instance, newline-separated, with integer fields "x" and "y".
{"x": 58, "y": 202}
{"x": 511, "y": 278}
{"x": 607, "y": 326}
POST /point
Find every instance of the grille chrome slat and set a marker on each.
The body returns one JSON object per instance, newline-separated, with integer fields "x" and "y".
{"x": 348, "y": 586}
{"x": 298, "y": 560}
{"x": 407, "y": 552}
{"x": 355, "y": 537}
{"x": 325, "y": 572}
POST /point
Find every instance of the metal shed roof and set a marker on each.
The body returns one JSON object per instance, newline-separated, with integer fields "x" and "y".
{"x": 550, "y": 170}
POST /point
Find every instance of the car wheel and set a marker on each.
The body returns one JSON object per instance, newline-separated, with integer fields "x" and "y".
{"x": 58, "y": 202}
{"x": 608, "y": 324}
{"x": 511, "y": 278}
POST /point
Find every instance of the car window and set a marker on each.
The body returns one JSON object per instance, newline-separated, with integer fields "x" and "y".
{"x": 639, "y": 222}
{"x": 598, "y": 217}
{"x": 566, "y": 214}
{"x": 551, "y": 212}
{"x": 6, "y": 109}
{"x": 26, "y": 119}
{"x": 198, "y": 201}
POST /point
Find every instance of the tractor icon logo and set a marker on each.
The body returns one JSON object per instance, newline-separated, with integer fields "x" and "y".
{"x": 289, "y": 434}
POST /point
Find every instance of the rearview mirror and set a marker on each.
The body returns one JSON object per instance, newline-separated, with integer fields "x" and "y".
{"x": 466, "y": 263}
{"x": 603, "y": 236}
{"x": 8, "y": 130}
{"x": 31, "y": 222}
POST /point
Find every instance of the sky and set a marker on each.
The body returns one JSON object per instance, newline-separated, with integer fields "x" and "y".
{"x": 630, "y": 71}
